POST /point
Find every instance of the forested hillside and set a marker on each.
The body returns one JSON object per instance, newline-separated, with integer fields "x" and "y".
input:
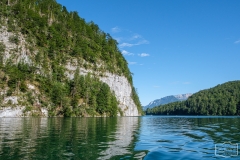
{"x": 59, "y": 34}
{"x": 51, "y": 38}
{"x": 223, "y": 99}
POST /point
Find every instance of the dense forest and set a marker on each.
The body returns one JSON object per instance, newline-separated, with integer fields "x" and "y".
{"x": 56, "y": 36}
{"x": 223, "y": 99}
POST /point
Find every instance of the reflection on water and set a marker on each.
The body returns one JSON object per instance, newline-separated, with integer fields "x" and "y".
{"x": 149, "y": 137}
{"x": 17, "y": 136}
{"x": 122, "y": 138}
{"x": 66, "y": 138}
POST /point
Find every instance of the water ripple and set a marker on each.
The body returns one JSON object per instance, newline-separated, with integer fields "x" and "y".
{"x": 150, "y": 137}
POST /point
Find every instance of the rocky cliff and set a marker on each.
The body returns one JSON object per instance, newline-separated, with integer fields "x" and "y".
{"x": 17, "y": 104}
{"x": 118, "y": 84}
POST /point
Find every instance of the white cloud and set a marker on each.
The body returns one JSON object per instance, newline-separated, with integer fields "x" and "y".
{"x": 136, "y": 36}
{"x": 143, "y": 55}
{"x": 156, "y": 86}
{"x": 132, "y": 63}
{"x": 238, "y": 41}
{"x": 133, "y": 44}
{"x": 143, "y": 42}
{"x": 186, "y": 83}
{"x": 116, "y": 29}
{"x": 134, "y": 39}
{"x": 126, "y": 45}
{"x": 124, "y": 52}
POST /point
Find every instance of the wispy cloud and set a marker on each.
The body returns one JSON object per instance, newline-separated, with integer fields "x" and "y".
{"x": 186, "y": 82}
{"x": 143, "y": 42}
{"x": 135, "y": 36}
{"x": 124, "y": 52}
{"x": 143, "y": 55}
{"x": 122, "y": 45}
{"x": 156, "y": 86}
{"x": 126, "y": 45}
{"x": 127, "y": 37}
{"x": 116, "y": 29}
{"x": 238, "y": 41}
{"x": 132, "y": 63}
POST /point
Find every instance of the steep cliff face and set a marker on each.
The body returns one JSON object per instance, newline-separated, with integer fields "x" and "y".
{"x": 118, "y": 84}
{"x": 51, "y": 59}
{"x": 13, "y": 105}
{"x": 18, "y": 104}
{"x": 15, "y": 50}
{"x": 123, "y": 91}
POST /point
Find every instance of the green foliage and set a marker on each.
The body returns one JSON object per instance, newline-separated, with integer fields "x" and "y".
{"x": 103, "y": 99}
{"x": 80, "y": 96}
{"x": 63, "y": 33}
{"x": 136, "y": 100}
{"x": 58, "y": 92}
{"x": 59, "y": 36}
{"x": 223, "y": 99}
{"x": 14, "y": 39}
{"x": 27, "y": 109}
{"x": 18, "y": 74}
{"x": 2, "y": 47}
{"x": 23, "y": 87}
{"x": 30, "y": 98}
{"x": 2, "y": 50}
{"x": 97, "y": 95}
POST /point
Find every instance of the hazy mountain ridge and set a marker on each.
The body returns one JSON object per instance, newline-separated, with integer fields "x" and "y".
{"x": 167, "y": 99}
{"x": 223, "y": 99}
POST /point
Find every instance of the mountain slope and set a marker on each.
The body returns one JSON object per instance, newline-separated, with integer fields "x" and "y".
{"x": 222, "y": 99}
{"x": 54, "y": 63}
{"x": 166, "y": 100}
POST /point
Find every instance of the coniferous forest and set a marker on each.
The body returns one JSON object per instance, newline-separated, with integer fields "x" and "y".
{"x": 54, "y": 37}
{"x": 223, "y": 99}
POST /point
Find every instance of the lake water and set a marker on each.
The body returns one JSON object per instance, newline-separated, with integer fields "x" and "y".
{"x": 147, "y": 137}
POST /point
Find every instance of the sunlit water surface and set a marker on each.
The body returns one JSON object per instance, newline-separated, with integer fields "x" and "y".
{"x": 148, "y": 137}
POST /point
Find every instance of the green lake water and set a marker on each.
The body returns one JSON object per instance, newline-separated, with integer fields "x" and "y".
{"x": 147, "y": 137}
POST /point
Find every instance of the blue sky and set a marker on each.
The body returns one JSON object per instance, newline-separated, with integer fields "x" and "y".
{"x": 172, "y": 46}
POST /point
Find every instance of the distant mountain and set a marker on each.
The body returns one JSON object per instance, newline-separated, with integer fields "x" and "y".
{"x": 223, "y": 99}
{"x": 167, "y": 99}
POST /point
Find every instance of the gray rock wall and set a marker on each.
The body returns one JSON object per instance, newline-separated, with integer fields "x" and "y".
{"x": 12, "y": 48}
{"x": 118, "y": 84}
